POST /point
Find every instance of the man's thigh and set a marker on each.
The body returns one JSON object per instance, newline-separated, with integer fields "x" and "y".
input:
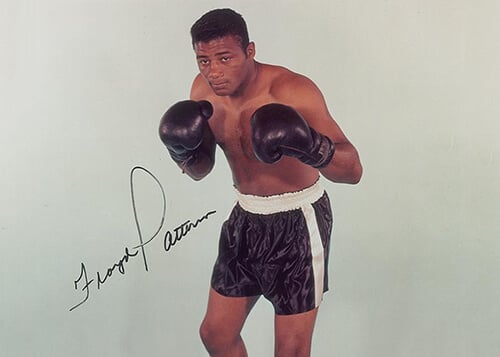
{"x": 293, "y": 333}
{"x": 227, "y": 313}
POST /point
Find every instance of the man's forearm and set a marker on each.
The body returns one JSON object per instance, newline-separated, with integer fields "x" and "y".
{"x": 345, "y": 166}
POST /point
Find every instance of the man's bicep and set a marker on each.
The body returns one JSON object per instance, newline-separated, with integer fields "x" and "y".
{"x": 312, "y": 105}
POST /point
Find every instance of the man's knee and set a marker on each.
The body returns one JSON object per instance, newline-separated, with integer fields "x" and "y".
{"x": 215, "y": 337}
{"x": 208, "y": 333}
{"x": 292, "y": 347}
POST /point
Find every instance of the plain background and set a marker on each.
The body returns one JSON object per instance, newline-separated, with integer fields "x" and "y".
{"x": 415, "y": 86}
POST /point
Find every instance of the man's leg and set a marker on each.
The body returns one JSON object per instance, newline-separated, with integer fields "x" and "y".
{"x": 223, "y": 322}
{"x": 293, "y": 334}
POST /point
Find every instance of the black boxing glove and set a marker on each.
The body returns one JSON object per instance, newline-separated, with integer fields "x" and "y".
{"x": 279, "y": 130}
{"x": 184, "y": 127}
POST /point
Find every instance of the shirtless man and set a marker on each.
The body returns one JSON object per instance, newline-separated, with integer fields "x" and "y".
{"x": 276, "y": 132}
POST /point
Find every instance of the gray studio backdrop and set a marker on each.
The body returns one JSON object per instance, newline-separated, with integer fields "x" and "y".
{"x": 414, "y": 84}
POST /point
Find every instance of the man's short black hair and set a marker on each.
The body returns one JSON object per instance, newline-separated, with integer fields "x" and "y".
{"x": 219, "y": 23}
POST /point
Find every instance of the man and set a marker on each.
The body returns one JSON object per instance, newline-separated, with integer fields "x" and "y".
{"x": 278, "y": 136}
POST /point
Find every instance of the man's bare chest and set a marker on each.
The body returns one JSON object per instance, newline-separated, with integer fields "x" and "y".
{"x": 232, "y": 129}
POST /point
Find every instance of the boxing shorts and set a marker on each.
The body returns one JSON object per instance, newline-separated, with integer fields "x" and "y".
{"x": 277, "y": 246}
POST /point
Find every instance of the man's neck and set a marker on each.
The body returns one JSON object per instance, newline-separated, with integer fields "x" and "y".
{"x": 248, "y": 88}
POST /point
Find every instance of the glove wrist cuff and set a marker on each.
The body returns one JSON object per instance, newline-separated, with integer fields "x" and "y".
{"x": 324, "y": 149}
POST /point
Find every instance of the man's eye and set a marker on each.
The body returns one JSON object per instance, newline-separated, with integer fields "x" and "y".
{"x": 225, "y": 59}
{"x": 203, "y": 62}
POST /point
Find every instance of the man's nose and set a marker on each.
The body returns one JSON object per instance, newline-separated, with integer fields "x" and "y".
{"x": 215, "y": 71}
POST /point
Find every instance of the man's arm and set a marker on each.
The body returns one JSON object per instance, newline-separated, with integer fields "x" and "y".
{"x": 305, "y": 97}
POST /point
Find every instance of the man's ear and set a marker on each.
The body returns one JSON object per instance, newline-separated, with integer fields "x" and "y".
{"x": 250, "y": 52}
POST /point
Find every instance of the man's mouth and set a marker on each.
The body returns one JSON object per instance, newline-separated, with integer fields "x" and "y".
{"x": 218, "y": 85}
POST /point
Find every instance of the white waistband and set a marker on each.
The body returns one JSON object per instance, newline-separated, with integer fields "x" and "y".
{"x": 280, "y": 203}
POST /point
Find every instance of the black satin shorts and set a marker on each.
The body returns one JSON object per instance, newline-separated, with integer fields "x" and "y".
{"x": 278, "y": 247}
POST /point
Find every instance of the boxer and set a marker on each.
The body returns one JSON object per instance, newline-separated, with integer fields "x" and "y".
{"x": 279, "y": 138}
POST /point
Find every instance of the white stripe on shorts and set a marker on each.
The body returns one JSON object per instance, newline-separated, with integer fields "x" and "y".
{"x": 317, "y": 252}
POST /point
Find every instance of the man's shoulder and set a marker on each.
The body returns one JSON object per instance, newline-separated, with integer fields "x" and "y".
{"x": 287, "y": 83}
{"x": 200, "y": 89}
{"x": 278, "y": 74}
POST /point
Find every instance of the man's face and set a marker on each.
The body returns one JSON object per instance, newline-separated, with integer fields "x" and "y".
{"x": 224, "y": 64}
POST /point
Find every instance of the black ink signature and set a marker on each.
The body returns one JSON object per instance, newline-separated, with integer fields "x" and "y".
{"x": 181, "y": 231}
{"x": 170, "y": 238}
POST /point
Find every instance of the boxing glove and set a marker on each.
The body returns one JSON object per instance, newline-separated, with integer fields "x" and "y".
{"x": 183, "y": 128}
{"x": 279, "y": 130}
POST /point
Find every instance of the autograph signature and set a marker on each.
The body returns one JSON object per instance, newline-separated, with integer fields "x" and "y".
{"x": 170, "y": 238}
